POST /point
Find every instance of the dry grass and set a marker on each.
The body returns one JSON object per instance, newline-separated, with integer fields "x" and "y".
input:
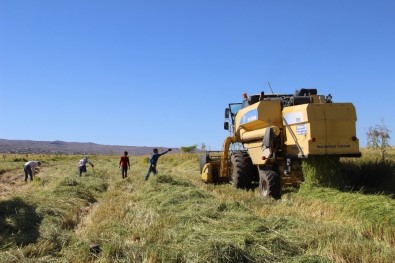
{"x": 174, "y": 217}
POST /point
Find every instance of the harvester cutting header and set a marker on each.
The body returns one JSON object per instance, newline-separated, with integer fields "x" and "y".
{"x": 278, "y": 132}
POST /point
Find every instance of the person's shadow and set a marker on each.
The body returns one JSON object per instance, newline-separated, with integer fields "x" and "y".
{"x": 19, "y": 222}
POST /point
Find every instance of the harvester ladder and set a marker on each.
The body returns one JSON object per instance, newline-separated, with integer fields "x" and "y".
{"x": 225, "y": 156}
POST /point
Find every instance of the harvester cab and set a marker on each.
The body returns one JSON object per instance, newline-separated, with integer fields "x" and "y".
{"x": 230, "y": 114}
{"x": 278, "y": 132}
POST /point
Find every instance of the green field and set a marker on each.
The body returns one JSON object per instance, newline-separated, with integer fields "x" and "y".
{"x": 174, "y": 217}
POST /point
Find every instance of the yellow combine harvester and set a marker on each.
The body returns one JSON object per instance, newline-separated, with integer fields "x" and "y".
{"x": 277, "y": 133}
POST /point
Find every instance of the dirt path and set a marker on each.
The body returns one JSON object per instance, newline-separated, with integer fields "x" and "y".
{"x": 10, "y": 183}
{"x": 13, "y": 182}
{"x": 86, "y": 218}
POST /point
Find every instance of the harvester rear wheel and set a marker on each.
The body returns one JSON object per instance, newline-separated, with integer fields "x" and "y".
{"x": 269, "y": 184}
{"x": 240, "y": 170}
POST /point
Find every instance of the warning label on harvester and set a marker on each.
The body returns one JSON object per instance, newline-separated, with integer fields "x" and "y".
{"x": 301, "y": 129}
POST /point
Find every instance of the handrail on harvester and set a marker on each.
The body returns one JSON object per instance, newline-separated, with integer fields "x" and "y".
{"x": 224, "y": 160}
{"x": 294, "y": 137}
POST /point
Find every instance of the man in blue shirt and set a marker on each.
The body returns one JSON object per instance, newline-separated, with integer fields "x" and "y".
{"x": 153, "y": 161}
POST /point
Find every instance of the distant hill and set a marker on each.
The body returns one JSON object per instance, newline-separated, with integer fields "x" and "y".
{"x": 47, "y": 147}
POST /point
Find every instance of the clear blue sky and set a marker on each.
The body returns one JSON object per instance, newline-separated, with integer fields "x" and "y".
{"x": 160, "y": 73}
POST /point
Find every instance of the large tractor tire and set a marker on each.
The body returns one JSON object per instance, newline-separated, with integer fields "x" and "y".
{"x": 240, "y": 173}
{"x": 269, "y": 184}
{"x": 250, "y": 170}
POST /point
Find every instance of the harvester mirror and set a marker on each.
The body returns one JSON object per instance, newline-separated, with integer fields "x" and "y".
{"x": 226, "y": 125}
{"x": 227, "y": 112}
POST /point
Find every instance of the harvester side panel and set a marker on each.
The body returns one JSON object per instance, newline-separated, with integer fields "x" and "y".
{"x": 259, "y": 115}
{"x": 318, "y": 130}
{"x": 321, "y": 129}
{"x": 255, "y": 152}
{"x": 297, "y": 129}
{"x": 341, "y": 130}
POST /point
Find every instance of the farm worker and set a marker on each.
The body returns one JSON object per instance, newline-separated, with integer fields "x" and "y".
{"x": 29, "y": 169}
{"x": 82, "y": 165}
{"x": 153, "y": 161}
{"x": 124, "y": 163}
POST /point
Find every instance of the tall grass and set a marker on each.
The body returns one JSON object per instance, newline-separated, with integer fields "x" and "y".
{"x": 322, "y": 171}
{"x": 369, "y": 174}
{"x": 46, "y": 213}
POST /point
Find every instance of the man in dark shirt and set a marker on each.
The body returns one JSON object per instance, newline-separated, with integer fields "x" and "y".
{"x": 124, "y": 163}
{"x": 153, "y": 161}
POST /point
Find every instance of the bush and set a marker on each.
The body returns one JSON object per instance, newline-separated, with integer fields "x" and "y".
{"x": 188, "y": 149}
{"x": 20, "y": 160}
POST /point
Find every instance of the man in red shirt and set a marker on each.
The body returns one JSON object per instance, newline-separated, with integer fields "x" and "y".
{"x": 124, "y": 163}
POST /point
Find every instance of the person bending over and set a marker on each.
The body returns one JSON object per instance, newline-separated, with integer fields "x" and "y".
{"x": 29, "y": 169}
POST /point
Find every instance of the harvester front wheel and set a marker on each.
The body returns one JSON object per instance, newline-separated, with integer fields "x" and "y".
{"x": 269, "y": 184}
{"x": 249, "y": 169}
{"x": 240, "y": 170}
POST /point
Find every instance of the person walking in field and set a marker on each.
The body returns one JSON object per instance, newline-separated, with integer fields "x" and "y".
{"x": 124, "y": 164}
{"x": 29, "y": 169}
{"x": 82, "y": 165}
{"x": 153, "y": 161}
